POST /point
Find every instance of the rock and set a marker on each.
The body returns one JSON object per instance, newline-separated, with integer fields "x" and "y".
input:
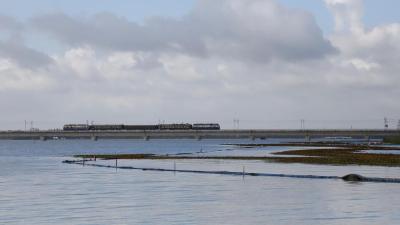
{"x": 353, "y": 177}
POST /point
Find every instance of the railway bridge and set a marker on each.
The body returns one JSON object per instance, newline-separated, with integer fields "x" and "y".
{"x": 197, "y": 134}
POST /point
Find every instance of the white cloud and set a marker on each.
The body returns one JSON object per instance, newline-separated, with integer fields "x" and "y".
{"x": 15, "y": 78}
{"x": 347, "y": 14}
{"x": 363, "y": 65}
{"x": 254, "y": 60}
{"x": 373, "y": 52}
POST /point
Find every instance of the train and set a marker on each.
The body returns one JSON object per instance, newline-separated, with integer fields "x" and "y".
{"x": 117, "y": 127}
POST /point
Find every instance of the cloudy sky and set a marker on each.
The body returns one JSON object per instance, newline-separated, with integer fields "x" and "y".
{"x": 268, "y": 63}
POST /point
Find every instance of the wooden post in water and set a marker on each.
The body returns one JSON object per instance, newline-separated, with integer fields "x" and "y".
{"x": 116, "y": 161}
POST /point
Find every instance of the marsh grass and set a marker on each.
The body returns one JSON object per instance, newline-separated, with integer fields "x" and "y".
{"x": 342, "y": 156}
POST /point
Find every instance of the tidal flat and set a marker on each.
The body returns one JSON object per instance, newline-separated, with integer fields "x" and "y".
{"x": 321, "y": 153}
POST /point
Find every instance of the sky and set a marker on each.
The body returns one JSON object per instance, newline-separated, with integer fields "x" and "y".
{"x": 268, "y": 63}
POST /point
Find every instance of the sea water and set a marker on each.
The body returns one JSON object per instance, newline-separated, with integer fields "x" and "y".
{"x": 37, "y": 188}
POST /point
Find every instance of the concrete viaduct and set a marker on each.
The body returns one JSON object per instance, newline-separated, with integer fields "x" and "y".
{"x": 195, "y": 134}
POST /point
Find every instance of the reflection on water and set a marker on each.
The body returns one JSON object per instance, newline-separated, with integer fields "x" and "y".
{"x": 395, "y": 152}
{"x": 36, "y": 188}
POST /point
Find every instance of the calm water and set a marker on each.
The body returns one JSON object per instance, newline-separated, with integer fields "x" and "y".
{"x": 36, "y": 188}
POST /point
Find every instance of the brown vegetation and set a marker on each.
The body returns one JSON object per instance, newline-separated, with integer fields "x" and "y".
{"x": 343, "y": 156}
{"x": 334, "y": 155}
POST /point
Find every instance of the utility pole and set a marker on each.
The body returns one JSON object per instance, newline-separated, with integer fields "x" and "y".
{"x": 302, "y": 124}
{"x": 386, "y": 123}
{"x": 236, "y": 123}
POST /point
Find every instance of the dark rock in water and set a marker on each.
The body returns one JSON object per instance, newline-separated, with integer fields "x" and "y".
{"x": 353, "y": 177}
